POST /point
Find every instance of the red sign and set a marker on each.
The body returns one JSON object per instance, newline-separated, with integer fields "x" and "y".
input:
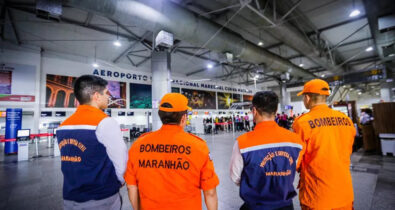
{"x": 18, "y": 98}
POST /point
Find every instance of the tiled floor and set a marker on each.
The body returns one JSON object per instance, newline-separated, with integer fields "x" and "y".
{"x": 37, "y": 183}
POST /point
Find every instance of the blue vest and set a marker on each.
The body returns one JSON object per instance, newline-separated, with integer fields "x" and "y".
{"x": 269, "y": 166}
{"x": 88, "y": 172}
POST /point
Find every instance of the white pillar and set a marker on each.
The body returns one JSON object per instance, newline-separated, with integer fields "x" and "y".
{"x": 385, "y": 91}
{"x": 161, "y": 82}
{"x": 285, "y": 97}
{"x": 39, "y": 89}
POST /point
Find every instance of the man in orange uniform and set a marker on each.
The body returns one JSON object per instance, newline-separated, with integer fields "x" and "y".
{"x": 168, "y": 168}
{"x": 325, "y": 178}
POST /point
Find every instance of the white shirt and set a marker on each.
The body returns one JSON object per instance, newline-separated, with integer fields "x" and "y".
{"x": 236, "y": 164}
{"x": 109, "y": 133}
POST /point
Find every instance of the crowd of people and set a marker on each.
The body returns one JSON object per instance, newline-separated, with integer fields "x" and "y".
{"x": 172, "y": 169}
{"x": 225, "y": 123}
{"x": 243, "y": 122}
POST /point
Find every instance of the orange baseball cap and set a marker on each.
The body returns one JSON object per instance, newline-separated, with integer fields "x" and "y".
{"x": 176, "y": 102}
{"x": 318, "y": 86}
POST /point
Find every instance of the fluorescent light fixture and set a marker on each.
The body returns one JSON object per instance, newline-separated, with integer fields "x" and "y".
{"x": 355, "y": 13}
{"x": 351, "y": 88}
{"x": 210, "y": 66}
{"x": 391, "y": 55}
{"x": 257, "y": 76}
{"x": 95, "y": 65}
{"x": 323, "y": 75}
{"x": 260, "y": 43}
{"x": 344, "y": 86}
{"x": 359, "y": 93}
{"x": 117, "y": 43}
{"x": 369, "y": 49}
{"x": 301, "y": 65}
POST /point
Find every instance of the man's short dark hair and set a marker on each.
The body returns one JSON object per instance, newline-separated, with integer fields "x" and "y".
{"x": 170, "y": 117}
{"x": 86, "y": 85}
{"x": 265, "y": 102}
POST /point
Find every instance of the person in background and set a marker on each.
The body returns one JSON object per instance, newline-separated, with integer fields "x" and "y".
{"x": 264, "y": 161}
{"x": 93, "y": 153}
{"x": 325, "y": 178}
{"x": 246, "y": 122}
{"x": 168, "y": 168}
{"x": 277, "y": 119}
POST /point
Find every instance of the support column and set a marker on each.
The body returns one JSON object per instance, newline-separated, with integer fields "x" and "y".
{"x": 161, "y": 82}
{"x": 285, "y": 97}
{"x": 386, "y": 91}
{"x": 38, "y": 96}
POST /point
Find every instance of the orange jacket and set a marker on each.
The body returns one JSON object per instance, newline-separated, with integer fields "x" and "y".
{"x": 325, "y": 178}
{"x": 170, "y": 168}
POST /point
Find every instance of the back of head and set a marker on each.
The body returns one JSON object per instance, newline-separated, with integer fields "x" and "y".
{"x": 172, "y": 108}
{"x": 170, "y": 118}
{"x": 86, "y": 85}
{"x": 265, "y": 102}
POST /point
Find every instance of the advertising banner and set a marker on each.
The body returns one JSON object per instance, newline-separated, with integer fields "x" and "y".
{"x": 17, "y": 82}
{"x": 60, "y": 92}
{"x": 200, "y": 99}
{"x": 140, "y": 96}
{"x": 12, "y": 125}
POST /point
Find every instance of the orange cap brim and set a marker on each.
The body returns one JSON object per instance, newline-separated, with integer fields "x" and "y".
{"x": 300, "y": 93}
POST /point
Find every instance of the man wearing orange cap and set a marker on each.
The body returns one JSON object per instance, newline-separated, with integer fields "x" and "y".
{"x": 325, "y": 178}
{"x": 168, "y": 168}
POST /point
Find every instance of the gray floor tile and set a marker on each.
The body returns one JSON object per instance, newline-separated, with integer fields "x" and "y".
{"x": 37, "y": 184}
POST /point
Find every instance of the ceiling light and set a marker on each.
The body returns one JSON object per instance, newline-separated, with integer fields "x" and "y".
{"x": 210, "y": 66}
{"x": 301, "y": 65}
{"x": 351, "y": 88}
{"x": 117, "y": 43}
{"x": 344, "y": 86}
{"x": 95, "y": 65}
{"x": 260, "y": 43}
{"x": 323, "y": 75}
{"x": 359, "y": 93}
{"x": 369, "y": 49}
{"x": 377, "y": 93}
{"x": 391, "y": 55}
{"x": 257, "y": 76}
{"x": 354, "y": 13}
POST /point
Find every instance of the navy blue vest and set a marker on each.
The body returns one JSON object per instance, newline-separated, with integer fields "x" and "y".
{"x": 88, "y": 172}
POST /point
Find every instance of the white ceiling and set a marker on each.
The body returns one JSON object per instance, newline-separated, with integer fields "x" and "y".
{"x": 81, "y": 41}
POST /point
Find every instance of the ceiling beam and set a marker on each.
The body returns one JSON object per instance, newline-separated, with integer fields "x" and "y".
{"x": 88, "y": 19}
{"x": 2, "y": 19}
{"x": 363, "y": 60}
{"x": 201, "y": 70}
{"x": 143, "y": 61}
{"x": 145, "y": 42}
{"x": 16, "y": 33}
{"x": 131, "y": 61}
{"x": 353, "y": 42}
{"x": 274, "y": 46}
{"x": 132, "y": 46}
{"x": 77, "y": 23}
{"x": 320, "y": 30}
